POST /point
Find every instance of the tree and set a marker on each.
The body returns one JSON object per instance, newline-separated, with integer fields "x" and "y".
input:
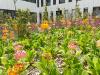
{"x": 45, "y": 14}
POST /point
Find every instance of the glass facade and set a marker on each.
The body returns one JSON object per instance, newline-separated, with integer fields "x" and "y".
{"x": 71, "y": 0}
{"x": 54, "y": 2}
{"x": 61, "y": 1}
{"x": 33, "y": 1}
{"x": 37, "y": 3}
{"x": 48, "y": 2}
{"x": 41, "y": 3}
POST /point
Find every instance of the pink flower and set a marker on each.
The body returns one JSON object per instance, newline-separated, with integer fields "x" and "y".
{"x": 20, "y": 54}
{"x": 17, "y": 47}
{"x": 72, "y": 45}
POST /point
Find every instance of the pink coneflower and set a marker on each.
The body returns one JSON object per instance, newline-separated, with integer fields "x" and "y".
{"x": 72, "y": 45}
{"x": 20, "y": 54}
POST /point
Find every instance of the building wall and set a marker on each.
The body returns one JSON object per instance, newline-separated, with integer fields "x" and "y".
{"x": 9, "y": 5}
{"x": 70, "y": 5}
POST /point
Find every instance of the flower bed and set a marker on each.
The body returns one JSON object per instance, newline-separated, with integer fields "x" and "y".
{"x": 73, "y": 50}
{"x": 63, "y": 47}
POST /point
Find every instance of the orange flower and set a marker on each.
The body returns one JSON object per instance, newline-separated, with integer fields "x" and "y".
{"x": 45, "y": 25}
{"x": 18, "y": 67}
{"x": 12, "y": 72}
{"x": 4, "y": 33}
{"x": 5, "y": 30}
{"x": 12, "y": 35}
{"x": 4, "y": 37}
{"x": 68, "y": 22}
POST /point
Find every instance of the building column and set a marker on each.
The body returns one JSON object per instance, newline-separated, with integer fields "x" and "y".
{"x": 49, "y": 15}
{"x": 51, "y": 2}
{"x": 38, "y": 18}
{"x": 44, "y": 2}
{"x": 54, "y": 15}
{"x": 90, "y": 10}
{"x": 82, "y": 14}
{"x": 57, "y": 2}
{"x": 39, "y": 3}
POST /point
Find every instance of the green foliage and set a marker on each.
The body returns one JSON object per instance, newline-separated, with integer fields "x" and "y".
{"x": 46, "y": 49}
{"x": 78, "y": 13}
{"x": 45, "y": 14}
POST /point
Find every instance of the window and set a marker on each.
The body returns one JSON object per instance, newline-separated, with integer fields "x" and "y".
{"x": 37, "y": 3}
{"x": 40, "y": 16}
{"x": 33, "y": 1}
{"x": 85, "y": 12}
{"x": 96, "y": 11}
{"x": 51, "y": 16}
{"x": 61, "y": 1}
{"x": 65, "y": 14}
{"x": 48, "y": 2}
{"x": 54, "y": 2}
{"x": 41, "y": 3}
{"x": 70, "y": 0}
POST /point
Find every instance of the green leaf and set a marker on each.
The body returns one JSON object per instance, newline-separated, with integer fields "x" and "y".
{"x": 85, "y": 72}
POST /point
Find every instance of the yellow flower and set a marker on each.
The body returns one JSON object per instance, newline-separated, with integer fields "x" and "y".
{"x": 85, "y": 21}
{"x": 98, "y": 43}
{"x": 45, "y": 25}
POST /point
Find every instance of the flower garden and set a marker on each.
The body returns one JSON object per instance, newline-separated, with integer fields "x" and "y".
{"x": 64, "y": 47}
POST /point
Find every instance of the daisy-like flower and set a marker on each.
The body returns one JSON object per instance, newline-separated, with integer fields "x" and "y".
{"x": 20, "y": 54}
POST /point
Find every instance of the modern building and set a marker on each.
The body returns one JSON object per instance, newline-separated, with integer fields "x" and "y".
{"x": 65, "y": 6}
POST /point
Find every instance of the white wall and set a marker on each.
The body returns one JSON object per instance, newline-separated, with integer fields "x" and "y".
{"x": 9, "y": 5}
{"x": 27, "y": 5}
{"x": 71, "y": 5}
